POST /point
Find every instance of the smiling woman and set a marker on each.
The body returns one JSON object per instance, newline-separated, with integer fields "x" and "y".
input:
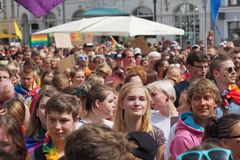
{"x": 133, "y": 114}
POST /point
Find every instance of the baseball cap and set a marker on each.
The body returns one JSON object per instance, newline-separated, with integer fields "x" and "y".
{"x": 35, "y": 53}
{"x": 195, "y": 46}
{"x": 137, "y": 50}
{"x": 89, "y": 44}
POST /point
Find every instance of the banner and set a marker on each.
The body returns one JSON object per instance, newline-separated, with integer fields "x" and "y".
{"x": 39, "y": 8}
{"x": 39, "y": 40}
{"x": 215, "y": 5}
{"x": 63, "y": 40}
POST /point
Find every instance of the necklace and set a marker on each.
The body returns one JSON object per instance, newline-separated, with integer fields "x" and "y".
{"x": 50, "y": 151}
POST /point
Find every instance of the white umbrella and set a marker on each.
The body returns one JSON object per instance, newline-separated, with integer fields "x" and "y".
{"x": 130, "y": 26}
{"x": 74, "y": 26}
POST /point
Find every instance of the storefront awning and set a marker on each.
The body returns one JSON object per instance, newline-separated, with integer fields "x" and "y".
{"x": 3, "y": 35}
{"x": 95, "y": 12}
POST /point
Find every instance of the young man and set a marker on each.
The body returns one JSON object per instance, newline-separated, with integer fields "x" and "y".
{"x": 27, "y": 87}
{"x": 197, "y": 64}
{"x": 223, "y": 72}
{"x": 61, "y": 117}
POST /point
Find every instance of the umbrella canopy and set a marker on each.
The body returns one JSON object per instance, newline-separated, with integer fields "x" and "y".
{"x": 74, "y": 26}
{"x": 130, "y": 26}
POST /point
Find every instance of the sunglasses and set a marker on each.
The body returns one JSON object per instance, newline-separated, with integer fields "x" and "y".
{"x": 83, "y": 58}
{"x": 211, "y": 154}
{"x": 231, "y": 69}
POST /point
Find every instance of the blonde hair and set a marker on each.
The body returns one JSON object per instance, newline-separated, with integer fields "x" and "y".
{"x": 203, "y": 86}
{"x": 60, "y": 81}
{"x": 16, "y": 109}
{"x": 103, "y": 69}
{"x": 119, "y": 121}
{"x": 164, "y": 86}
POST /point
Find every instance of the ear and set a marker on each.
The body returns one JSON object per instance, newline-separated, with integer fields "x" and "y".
{"x": 189, "y": 66}
{"x": 37, "y": 113}
{"x": 120, "y": 105}
{"x": 215, "y": 106}
{"x": 168, "y": 98}
{"x": 97, "y": 103}
{"x": 215, "y": 73}
{"x": 224, "y": 142}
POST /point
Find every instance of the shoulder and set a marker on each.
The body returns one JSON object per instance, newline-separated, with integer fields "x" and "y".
{"x": 182, "y": 85}
{"x": 80, "y": 123}
{"x": 234, "y": 107}
{"x": 158, "y": 135}
{"x": 17, "y": 87}
{"x": 108, "y": 123}
{"x": 180, "y": 145}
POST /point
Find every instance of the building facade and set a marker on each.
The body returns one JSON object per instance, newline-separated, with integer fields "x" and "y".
{"x": 229, "y": 21}
{"x": 191, "y": 15}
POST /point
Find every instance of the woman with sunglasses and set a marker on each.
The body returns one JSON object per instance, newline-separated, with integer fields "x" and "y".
{"x": 227, "y": 131}
{"x": 203, "y": 97}
{"x": 207, "y": 151}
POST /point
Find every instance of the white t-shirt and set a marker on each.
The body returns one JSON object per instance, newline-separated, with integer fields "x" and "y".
{"x": 83, "y": 121}
{"x": 161, "y": 122}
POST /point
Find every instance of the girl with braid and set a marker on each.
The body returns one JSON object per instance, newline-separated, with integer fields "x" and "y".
{"x": 227, "y": 131}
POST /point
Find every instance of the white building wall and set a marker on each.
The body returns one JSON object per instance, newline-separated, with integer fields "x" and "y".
{"x": 163, "y": 15}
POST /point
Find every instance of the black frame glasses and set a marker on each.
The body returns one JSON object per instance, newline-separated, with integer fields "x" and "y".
{"x": 238, "y": 136}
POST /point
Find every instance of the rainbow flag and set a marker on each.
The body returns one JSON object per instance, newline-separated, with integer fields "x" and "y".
{"x": 39, "y": 40}
{"x": 114, "y": 43}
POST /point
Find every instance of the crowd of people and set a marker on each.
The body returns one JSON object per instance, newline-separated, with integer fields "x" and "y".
{"x": 118, "y": 103}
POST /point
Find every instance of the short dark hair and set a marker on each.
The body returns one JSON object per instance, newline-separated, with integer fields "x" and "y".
{"x": 196, "y": 56}
{"x": 62, "y": 102}
{"x": 221, "y": 128}
{"x": 216, "y": 62}
{"x": 124, "y": 52}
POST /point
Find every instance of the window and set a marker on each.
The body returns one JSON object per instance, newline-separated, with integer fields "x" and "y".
{"x": 234, "y": 2}
{"x": 78, "y": 15}
{"x": 233, "y": 30}
{"x": 187, "y": 19}
{"x": 50, "y": 20}
{"x": 143, "y": 12}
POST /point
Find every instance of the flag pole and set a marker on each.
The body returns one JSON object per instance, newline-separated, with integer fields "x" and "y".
{"x": 205, "y": 26}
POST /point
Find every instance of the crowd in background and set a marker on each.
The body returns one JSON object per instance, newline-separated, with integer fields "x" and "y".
{"x": 120, "y": 103}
